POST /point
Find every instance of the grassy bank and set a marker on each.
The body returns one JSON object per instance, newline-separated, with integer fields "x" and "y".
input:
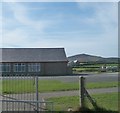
{"x": 109, "y": 101}
{"x": 28, "y": 86}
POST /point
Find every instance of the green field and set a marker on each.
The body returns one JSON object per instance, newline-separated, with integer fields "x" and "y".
{"x": 109, "y": 101}
{"x": 98, "y": 65}
{"x": 28, "y": 86}
{"x": 94, "y": 68}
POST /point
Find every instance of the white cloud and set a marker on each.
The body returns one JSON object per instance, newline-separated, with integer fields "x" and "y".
{"x": 0, "y": 25}
{"x": 38, "y": 0}
{"x": 18, "y": 38}
{"x": 106, "y": 18}
{"x": 21, "y": 15}
{"x": 97, "y": 0}
{"x": 15, "y": 37}
{"x": 21, "y": 35}
{"x": 82, "y": 43}
{"x": 60, "y": 0}
{"x": 106, "y": 14}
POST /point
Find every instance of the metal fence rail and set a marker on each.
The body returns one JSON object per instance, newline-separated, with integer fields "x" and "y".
{"x": 22, "y": 105}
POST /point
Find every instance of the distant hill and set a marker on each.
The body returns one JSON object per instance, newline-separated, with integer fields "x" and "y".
{"x": 91, "y": 58}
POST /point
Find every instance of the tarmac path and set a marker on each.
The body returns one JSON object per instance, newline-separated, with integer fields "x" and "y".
{"x": 58, "y": 94}
{"x": 104, "y": 77}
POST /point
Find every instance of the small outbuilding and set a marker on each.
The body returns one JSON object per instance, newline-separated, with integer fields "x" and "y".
{"x": 34, "y": 61}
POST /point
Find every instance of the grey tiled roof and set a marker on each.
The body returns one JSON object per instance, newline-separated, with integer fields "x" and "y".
{"x": 32, "y": 55}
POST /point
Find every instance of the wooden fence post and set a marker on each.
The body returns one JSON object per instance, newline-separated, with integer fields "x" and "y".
{"x": 82, "y": 91}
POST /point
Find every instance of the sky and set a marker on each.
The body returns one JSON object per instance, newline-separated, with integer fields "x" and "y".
{"x": 79, "y": 27}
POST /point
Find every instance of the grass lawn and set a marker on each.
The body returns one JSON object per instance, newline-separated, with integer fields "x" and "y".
{"x": 97, "y": 65}
{"x": 94, "y": 68}
{"x": 28, "y": 86}
{"x": 109, "y": 101}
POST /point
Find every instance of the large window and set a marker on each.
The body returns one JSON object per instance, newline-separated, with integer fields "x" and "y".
{"x": 34, "y": 67}
{"x": 19, "y": 67}
{"x": 5, "y": 67}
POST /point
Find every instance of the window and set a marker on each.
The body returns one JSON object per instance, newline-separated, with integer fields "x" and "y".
{"x": 5, "y": 67}
{"x": 19, "y": 67}
{"x": 34, "y": 67}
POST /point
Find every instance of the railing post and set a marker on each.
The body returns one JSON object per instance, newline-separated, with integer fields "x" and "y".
{"x": 82, "y": 91}
{"x": 37, "y": 99}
